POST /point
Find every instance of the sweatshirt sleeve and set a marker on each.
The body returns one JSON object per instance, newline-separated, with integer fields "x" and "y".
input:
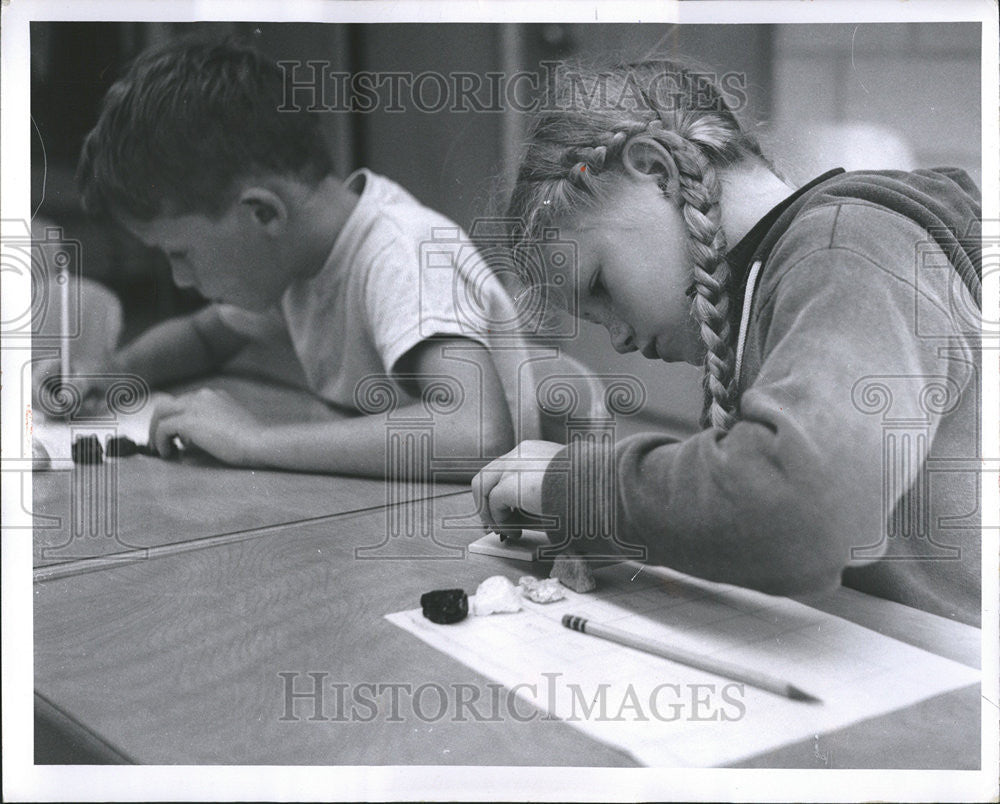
{"x": 777, "y": 502}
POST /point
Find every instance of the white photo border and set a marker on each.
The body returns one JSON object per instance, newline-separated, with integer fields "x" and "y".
{"x": 23, "y": 781}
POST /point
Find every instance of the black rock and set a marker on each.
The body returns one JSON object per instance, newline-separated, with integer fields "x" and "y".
{"x": 120, "y": 447}
{"x": 87, "y": 449}
{"x": 445, "y": 606}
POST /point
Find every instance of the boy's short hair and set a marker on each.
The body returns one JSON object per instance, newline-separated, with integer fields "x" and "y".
{"x": 184, "y": 123}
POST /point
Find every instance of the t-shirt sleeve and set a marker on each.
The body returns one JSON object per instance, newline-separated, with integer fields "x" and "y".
{"x": 413, "y": 295}
{"x": 440, "y": 289}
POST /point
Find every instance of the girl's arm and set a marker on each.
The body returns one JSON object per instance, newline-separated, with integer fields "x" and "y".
{"x": 799, "y": 487}
{"x": 785, "y": 500}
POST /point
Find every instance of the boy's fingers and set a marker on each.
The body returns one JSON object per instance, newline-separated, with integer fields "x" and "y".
{"x": 161, "y": 437}
{"x": 168, "y": 421}
{"x": 169, "y": 406}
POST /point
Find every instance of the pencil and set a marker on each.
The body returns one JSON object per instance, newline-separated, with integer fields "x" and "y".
{"x": 719, "y": 667}
{"x": 62, "y": 279}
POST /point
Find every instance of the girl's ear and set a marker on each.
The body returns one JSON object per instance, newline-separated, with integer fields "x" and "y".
{"x": 645, "y": 157}
{"x": 267, "y": 209}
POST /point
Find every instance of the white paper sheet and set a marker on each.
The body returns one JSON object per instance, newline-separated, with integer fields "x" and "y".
{"x": 667, "y": 714}
{"x": 56, "y": 437}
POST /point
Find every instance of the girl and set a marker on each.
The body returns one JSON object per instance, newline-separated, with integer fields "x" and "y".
{"x": 837, "y": 329}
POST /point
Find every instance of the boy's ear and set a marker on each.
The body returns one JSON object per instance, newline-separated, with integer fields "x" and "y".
{"x": 267, "y": 208}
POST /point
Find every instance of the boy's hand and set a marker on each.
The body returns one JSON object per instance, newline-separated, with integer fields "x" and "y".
{"x": 511, "y": 486}
{"x": 210, "y": 420}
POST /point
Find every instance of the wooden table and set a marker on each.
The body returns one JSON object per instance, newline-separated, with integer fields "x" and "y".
{"x": 161, "y": 503}
{"x": 177, "y": 657}
{"x": 129, "y": 509}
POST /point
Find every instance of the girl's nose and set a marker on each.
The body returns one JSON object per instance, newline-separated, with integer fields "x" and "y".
{"x": 622, "y": 338}
{"x": 183, "y": 275}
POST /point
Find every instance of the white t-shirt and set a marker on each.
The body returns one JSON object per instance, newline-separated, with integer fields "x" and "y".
{"x": 398, "y": 274}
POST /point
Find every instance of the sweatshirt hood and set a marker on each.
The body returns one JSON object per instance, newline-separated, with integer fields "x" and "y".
{"x": 943, "y": 201}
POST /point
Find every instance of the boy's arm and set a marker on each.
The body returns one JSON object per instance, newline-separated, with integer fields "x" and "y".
{"x": 180, "y": 348}
{"x": 478, "y": 428}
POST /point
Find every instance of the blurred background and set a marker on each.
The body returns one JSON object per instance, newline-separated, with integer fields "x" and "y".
{"x": 820, "y": 96}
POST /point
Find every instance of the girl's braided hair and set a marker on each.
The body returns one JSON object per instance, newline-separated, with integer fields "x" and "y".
{"x": 654, "y": 118}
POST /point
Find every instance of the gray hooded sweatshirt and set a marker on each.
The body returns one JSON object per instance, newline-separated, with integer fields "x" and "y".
{"x": 855, "y": 457}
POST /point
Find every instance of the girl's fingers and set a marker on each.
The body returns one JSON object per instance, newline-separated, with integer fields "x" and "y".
{"x": 482, "y": 486}
{"x": 477, "y": 496}
{"x": 502, "y": 504}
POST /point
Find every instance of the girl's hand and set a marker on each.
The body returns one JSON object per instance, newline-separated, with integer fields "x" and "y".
{"x": 210, "y": 420}
{"x": 511, "y": 487}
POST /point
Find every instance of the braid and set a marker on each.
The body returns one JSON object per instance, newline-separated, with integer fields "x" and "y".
{"x": 574, "y": 155}
{"x": 700, "y": 192}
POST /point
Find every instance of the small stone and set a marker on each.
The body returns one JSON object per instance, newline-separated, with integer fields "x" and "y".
{"x": 548, "y": 590}
{"x": 445, "y": 606}
{"x": 496, "y": 595}
{"x": 573, "y": 571}
{"x": 120, "y": 447}
{"x": 87, "y": 450}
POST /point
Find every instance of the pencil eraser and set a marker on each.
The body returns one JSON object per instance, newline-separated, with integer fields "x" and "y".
{"x": 87, "y": 449}
{"x": 445, "y": 606}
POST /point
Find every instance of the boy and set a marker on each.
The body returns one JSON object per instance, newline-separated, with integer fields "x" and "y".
{"x": 192, "y": 156}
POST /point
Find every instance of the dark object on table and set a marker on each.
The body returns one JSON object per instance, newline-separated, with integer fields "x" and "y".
{"x": 120, "y": 447}
{"x": 87, "y": 449}
{"x": 445, "y": 606}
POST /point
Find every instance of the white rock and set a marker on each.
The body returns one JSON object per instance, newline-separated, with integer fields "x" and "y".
{"x": 548, "y": 590}
{"x": 495, "y": 595}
